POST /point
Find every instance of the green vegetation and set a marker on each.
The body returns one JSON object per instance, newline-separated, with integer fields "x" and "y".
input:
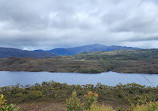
{"x": 55, "y": 64}
{"x": 132, "y": 97}
{"x": 89, "y": 104}
{"x": 126, "y": 61}
{"x": 116, "y": 96}
{"x": 5, "y": 107}
{"x": 151, "y": 106}
{"x": 101, "y": 108}
{"x": 89, "y": 99}
{"x": 73, "y": 104}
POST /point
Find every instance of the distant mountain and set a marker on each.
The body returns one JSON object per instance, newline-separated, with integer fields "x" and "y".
{"x": 86, "y": 48}
{"x": 12, "y": 52}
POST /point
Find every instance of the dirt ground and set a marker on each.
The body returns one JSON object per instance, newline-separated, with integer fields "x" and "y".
{"x": 43, "y": 106}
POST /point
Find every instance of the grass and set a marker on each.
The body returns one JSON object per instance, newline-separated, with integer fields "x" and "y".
{"x": 151, "y": 106}
{"x": 101, "y": 108}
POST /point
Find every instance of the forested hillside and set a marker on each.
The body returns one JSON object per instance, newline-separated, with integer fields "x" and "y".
{"x": 127, "y": 61}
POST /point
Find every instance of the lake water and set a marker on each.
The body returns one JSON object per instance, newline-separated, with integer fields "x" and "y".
{"x": 107, "y": 78}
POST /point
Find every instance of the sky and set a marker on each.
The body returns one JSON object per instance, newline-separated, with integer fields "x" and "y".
{"x": 48, "y": 24}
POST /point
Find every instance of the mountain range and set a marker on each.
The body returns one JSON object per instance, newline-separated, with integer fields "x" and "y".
{"x": 85, "y": 49}
{"x": 13, "y": 52}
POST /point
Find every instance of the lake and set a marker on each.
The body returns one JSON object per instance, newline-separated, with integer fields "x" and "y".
{"x": 107, "y": 78}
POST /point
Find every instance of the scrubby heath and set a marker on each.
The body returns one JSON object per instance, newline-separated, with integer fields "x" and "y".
{"x": 115, "y": 96}
{"x": 125, "y": 61}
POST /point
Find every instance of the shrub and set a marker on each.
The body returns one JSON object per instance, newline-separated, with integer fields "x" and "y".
{"x": 32, "y": 95}
{"x": 89, "y": 99}
{"x": 73, "y": 104}
{"x": 151, "y": 106}
{"x": 5, "y": 107}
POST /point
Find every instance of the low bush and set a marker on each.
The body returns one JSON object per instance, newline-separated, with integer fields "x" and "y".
{"x": 151, "y": 106}
{"x": 89, "y": 99}
{"x": 5, "y": 107}
{"x": 33, "y": 95}
{"x": 73, "y": 104}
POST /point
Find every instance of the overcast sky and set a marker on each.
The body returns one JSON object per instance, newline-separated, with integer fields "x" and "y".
{"x": 47, "y": 24}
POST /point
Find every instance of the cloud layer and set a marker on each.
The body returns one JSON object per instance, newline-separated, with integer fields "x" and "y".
{"x": 46, "y": 24}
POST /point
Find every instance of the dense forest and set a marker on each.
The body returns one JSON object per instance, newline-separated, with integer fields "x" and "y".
{"x": 126, "y": 61}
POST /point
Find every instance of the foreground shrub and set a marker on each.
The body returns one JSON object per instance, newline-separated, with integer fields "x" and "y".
{"x": 73, "y": 104}
{"x": 89, "y": 99}
{"x": 151, "y": 106}
{"x": 5, "y": 107}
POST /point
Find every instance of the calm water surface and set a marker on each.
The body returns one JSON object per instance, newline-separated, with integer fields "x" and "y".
{"x": 108, "y": 78}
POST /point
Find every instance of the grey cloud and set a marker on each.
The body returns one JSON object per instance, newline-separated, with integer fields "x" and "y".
{"x": 143, "y": 18}
{"x": 39, "y": 24}
{"x": 154, "y": 38}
